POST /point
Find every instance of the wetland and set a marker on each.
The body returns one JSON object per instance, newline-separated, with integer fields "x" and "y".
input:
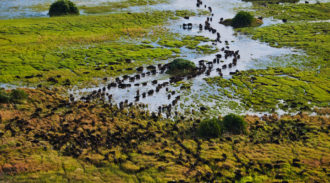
{"x": 154, "y": 91}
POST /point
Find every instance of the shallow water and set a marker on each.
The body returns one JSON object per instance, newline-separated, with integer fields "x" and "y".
{"x": 23, "y": 8}
{"x": 200, "y": 93}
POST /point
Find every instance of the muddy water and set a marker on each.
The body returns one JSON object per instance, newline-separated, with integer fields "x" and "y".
{"x": 200, "y": 94}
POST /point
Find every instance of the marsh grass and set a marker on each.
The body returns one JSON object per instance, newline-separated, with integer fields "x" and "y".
{"x": 263, "y": 90}
{"x": 105, "y": 7}
{"x": 303, "y": 82}
{"x": 69, "y": 46}
{"x": 295, "y": 12}
{"x": 86, "y": 47}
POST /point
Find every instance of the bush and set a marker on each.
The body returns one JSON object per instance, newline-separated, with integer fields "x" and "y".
{"x": 181, "y": 66}
{"x": 4, "y": 98}
{"x": 242, "y": 19}
{"x": 63, "y": 7}
{"x": 210, "y": 128}
{"x": 234, "y": 124}
{"x": 18, "y": 95}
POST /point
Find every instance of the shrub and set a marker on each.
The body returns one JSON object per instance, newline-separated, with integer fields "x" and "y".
{"x": 234, "y": 124}
{"x": 4, "y": 98}
{"x": 210, "y": 128}
{"x": 242, "y": 19}
{"x": 63, "y": 7}
{"x": 181, "y": 66}
{"x": 18, "y": 95}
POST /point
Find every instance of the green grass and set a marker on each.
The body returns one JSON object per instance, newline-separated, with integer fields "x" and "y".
{"x": 295, "y": 12}
{"x": 104, "y": 7}
{"x": 263, "y": 90}
{"x": 113, "y": 6}
{"x": 70, "y": 46}
{"x": 86, "y": 47}
{"x": 310, "y": 37}
{"x": 301, "y": 81}
{"x": 190, "y": 42}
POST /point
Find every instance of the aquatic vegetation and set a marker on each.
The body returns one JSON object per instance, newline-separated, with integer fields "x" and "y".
{"x": 68, "y": 46}
{"x": 63, "y": 7}
{"x": 289, "y": 87}
{"x": 284, "y": 88}
{"x": 207, "y": 49}
{"x": 190, "y": 42}
{"x": 311, "y": 37}
{"x": 294, "y": 12}
{"x": 104, "y": 7}
{"x": 184, "y": 13}
{"x": 117, "y": 5}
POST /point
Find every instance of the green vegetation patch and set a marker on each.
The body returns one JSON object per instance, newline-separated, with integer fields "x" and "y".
{"x": 104, "y": 7}
{"x": 185, "y": 13}
{"x": 190, "y": 42}
{"x": 242, "y": 19}
{"x": 115, "y": 5}
{"x": 63, "y": 7}
{"x": 295, "y": 12}
{"x": 267, "y": 90}
{"x": 311, "y": 37}
{"x": 77, "y": 48}
{"x": 181, "y": 67}
{"x": 14, "y": 96}
{"x": 213, "y": 128}
{"x": 210, "y": 128}
{"x": 234, "y": 124}
{"x": 189, "y": 13}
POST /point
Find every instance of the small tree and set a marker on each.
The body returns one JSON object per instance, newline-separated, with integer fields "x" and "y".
{"x": 18, "y": 95}
{"x": 210, "y": 128}
{"x": 242, "y": 19}
{"x": 63, "y": 7}
{"x": 181, "y": 66}
{"x": 234, "y": 124}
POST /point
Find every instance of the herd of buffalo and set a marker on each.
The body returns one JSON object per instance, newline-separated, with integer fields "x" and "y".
{"x": 204, "y": 67}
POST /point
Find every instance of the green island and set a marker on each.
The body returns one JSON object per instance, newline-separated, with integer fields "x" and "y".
{"x": 115, "y": 93}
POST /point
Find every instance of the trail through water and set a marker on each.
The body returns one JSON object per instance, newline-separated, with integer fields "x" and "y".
{"x": 200, "y": 94}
